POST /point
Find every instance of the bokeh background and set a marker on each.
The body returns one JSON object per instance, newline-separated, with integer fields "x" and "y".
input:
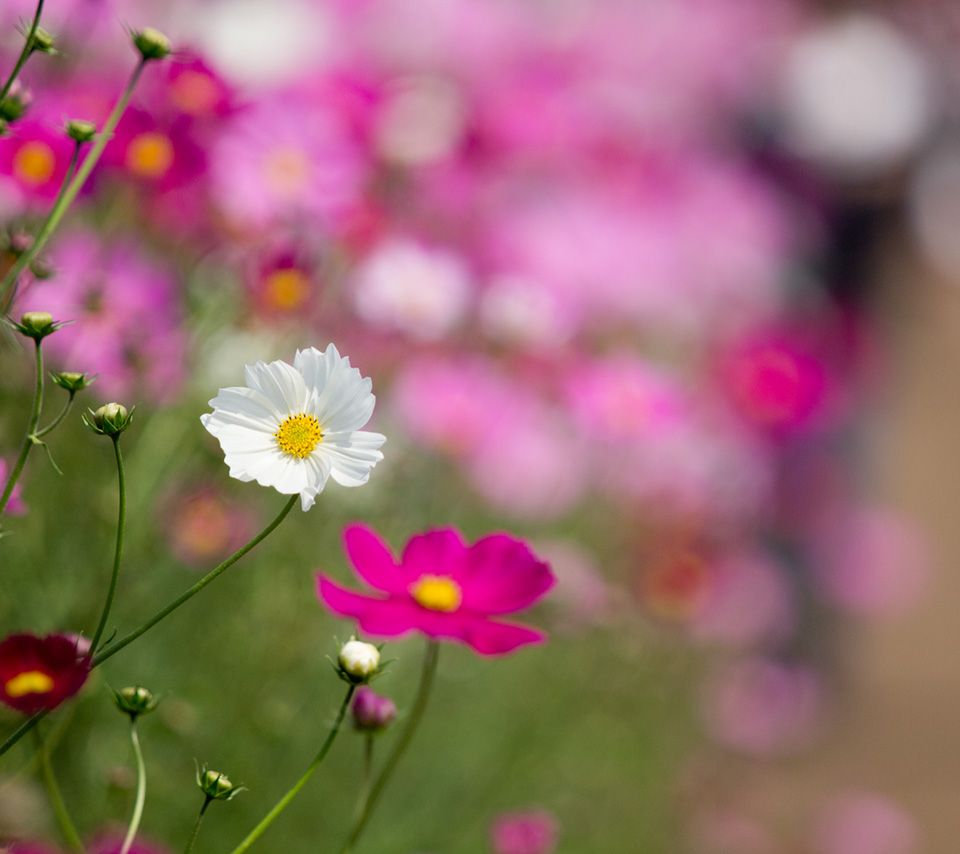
{"x": 667, "y": 287}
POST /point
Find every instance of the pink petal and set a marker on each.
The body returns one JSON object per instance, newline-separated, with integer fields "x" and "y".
{"x": 502, "y": 575}
{"x": 441, "y": 552}
{"x": 491, "y": 638}
{"x": 372, "y": 560}
{"x": 385, "y": 617}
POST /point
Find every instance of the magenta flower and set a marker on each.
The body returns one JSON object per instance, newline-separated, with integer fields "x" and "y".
{"x": 442, "y": 587}
{"x": 40, "y": 672}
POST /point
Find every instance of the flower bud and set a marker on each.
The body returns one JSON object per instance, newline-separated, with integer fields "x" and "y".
{"x": 151, "y": 43}
{"x": 109, "y": 420}
{"x": 216, "y": 786}
{"x": 135, "y": 701}
{"x": 15, "y": 104}
{"x": 371, "y": 711}
{"x": 71, "y": 380}
{"x": 37, "y": 325}
{"x": 81, "y": 131}
{"x": 358, "y": 661}
{"x": 42, "y": 41}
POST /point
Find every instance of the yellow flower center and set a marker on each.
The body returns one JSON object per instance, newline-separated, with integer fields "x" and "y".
{"x": 29, "y": 682}
{"x": 298, "y": 435}
{"x": 149, "y": 155}
{"x": 286, "y": 290}
{"x": 437, "y": 593}
{"x": 34, "y": 163}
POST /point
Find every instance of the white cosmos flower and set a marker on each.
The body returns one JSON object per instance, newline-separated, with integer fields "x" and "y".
{"x": 293, "y": 427}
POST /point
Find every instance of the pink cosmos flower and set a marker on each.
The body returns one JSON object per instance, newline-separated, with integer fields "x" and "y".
{"x": 442, "y": 587}
{"x": 40, "y": 672}
{"x": 524, "y": 833}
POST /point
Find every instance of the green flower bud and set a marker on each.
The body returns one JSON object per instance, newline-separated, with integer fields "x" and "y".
{"x": 135, "y": 701}
{"x": 71, "y": 380}
{"x": 109, "y": 420}
{"x": 81, "y": 131}
{"x": 216, "y": 786}
{"x": 37, "y": 325}
{"x": 42, "y": 42}
{"x": 15, "y": 104}
{"x": 151, "y": 43}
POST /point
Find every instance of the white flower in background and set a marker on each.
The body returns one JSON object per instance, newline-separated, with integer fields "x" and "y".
{"x": 404, "y": 286}
{"x": 293, "y": 427}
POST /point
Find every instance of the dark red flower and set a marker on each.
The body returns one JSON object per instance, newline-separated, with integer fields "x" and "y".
{"x": 40, "y": 673}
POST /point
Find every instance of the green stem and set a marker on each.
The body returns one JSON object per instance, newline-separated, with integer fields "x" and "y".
{"x": 289, "y": 796}
{"x": 114, "y": 648}
{"x": 196, "y": 825}
{"x": 70, "y": 189}
{"x": 53, "y": 424}
{"x": 29, "y": 438}
{"x": 365, "y": 776}
{"x": 118, "y": 551}
{"x": 111, "y": 650}
{"x": 25, "y": 53}
{"x": 141, "y": 788}
{"x": 56, "y": 798}
{"x": 431, "y": 653}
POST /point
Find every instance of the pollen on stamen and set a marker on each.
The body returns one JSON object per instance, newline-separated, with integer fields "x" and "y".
{"x": 299, "y": 435}
{"x": 437, "y": 593}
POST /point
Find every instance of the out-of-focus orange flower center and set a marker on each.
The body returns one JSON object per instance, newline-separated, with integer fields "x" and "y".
{"x": 286, "y": 290}
{"x": 677, "y": 588}
{"x": 194, "y": 92}
{"x": 29, "y": 682}
{"x": 34, "y": 163}
{"x": 437, "y": 593}
{"x": 287, "y": 169}
{"x": 150, "y": 155}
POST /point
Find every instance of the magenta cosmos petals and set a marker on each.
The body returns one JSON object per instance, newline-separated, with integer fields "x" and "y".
{"x": 442, "y": 587}
{"x": 38, "y": 673}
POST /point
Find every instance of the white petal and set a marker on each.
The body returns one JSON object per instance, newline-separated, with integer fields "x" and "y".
{"x": 280, "y": 383}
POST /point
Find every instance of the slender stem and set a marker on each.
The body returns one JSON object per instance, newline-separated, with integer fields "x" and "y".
{"x": 431, "y": 653}
{"x": 365, "y": 776}
{"x": 111, "y": 650}
{"x": 29, "y": 438}
{"x": 196, "y": 825}
{"x": 118, "y": 551}
{"x": 141, "y": 788}
{"x": 63, "y": 414}
{"x": 114, "y": 648}
{"x": 289, "y": 796}
{"x": 70, "y": 189}
{"x": 25, "y": 53}
{"x": 56, "y": 799}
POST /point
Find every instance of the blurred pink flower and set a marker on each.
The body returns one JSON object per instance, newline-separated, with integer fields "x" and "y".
{"x": 534, "y": 832}
{"x": 34, "y": 157}
{"x": 286, "y": 158}
{"x": 761, "y": 706}
{"x": 404, "y": 286}
{"x": 871, "y": 561}
{"x": 749, "y": 602}
{"x": 127, "y": 314}
{"x": 203, "y": 525}
{"x": 442, "y": 588}
{"x": 865, "y": 823}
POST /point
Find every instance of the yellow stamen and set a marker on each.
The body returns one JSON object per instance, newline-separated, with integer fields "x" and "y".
{"x": 34, "y": 163}
{"x": 149, "y": 155}
{"x": 437, "y": 593}
{"x": 29, "y": 682}
{"x": 286, "y": 289}
{"x": 298, "y": 435}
